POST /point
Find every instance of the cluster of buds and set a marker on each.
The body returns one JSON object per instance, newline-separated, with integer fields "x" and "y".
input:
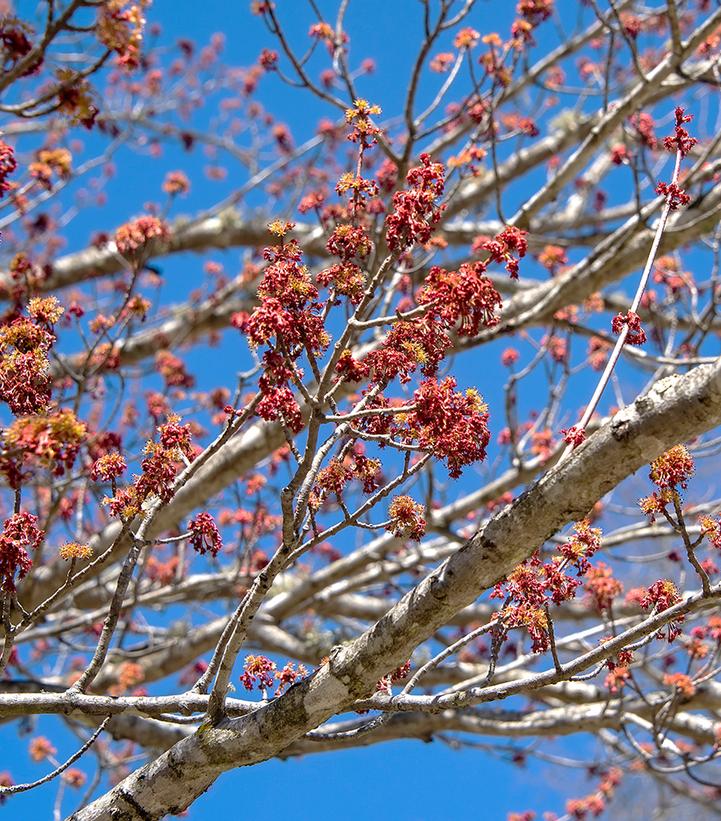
{"x": 635, "y": 334}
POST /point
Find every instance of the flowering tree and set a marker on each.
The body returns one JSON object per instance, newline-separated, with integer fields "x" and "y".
{"x": 327, "y": 536}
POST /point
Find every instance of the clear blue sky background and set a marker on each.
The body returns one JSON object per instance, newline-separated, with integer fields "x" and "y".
{"x": 401, "y": 781}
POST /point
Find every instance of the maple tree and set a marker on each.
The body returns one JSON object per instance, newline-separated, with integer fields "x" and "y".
{"x": 401, "y": 503}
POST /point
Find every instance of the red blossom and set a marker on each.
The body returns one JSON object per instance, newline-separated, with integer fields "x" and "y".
{"x": 258, "y": 671}
{"x": 407, "y": 521}
{"x": 418, "y": 342}
{"x": 674, "y": 194}
{"x": 288, "y": 676}
{"x": 643, "y": 123}
{"x": 20, "y": 534}
{"x": 268, "y": 59}
{"x": 415, "y": 212}
{"x": 351, "y": 369}
{"x": 8, "y": 164}
{"x": 451, "y": 425}
{"x": 681, "y": 682}
{"x": 334, "y": 477}
{"x": 279, "y": 403}
{"x": 136, "y": 234}
{"x": 601, "y": 586}
{"x": 509, "y": 357}
{"x": 466, "y": 297}
{"x": 173, "y": 370}
{"x": 635, "y": 334}
{"x": 506, "y": 248}
{"x": 659, "y": 597}
{"x": 24, "y": 366}
{"x": 574, "y": 436}
{"x": 535, "y": 11}
{"x": 584, "y": 542}
{"x": 204, "y": 535}
{"x": 681, "y": 140}
{"x": 673, "y": 468}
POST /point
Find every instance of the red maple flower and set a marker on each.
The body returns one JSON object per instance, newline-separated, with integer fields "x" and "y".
{"x": 415, "y": 212}
{"x": 204, "y": 535}
{"x": 20, "y": 533}
{"x": 681, "y": 140}
{"x": 635, "y": 335}
{"x": 451, "y": 425}
{"x": 406, "y": 519}
{"x": 466, "y": 296}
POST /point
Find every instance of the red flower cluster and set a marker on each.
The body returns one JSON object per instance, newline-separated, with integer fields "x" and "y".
{"x": 528, "y": 588}
{"x": 351, "y": 369}
{"x": 535, "y": 11}
{"x": 24, "y": 366}
{"x": 673, "y": 468}
{"x": 395, "y": 677}
{"x": 407, "y": 521}
{"x": 574, "y": 436}
{"x": 659, "y": 597}
{"x": 619, "y": 154}
{"x": 52, "y": 440}
{"x": 451, "y": 425}
{"x": 162, "y": 572}
{"x": 585, "y": 541}
{"x": 347, "y": 242}
{"x": 278, "y": 403}
{"x": 635, "y": 335}
{"x": 288, "y": 676}
{"x": 681, "y": 140}
{"x": 40, "y": 748}
{"x": 172, "y": 369}
{"x": 509, "y": 357}
{"x": 415, "y": 212}
{"x": 674, "y": 194}
{"x": 277, "y": 400}
{"x": 108, "y": 467}
{"x": 258, "y": 671}
{"x": 135, "y": 234}
{"x": 466, "y": 296}
{"x": 268, "y": 59}
{"x": 711, "y": 529}
{"x": 120, "y": 28}
{"x": 159, "y": 469}
{"x": 176, "y": 182}
{"x": 643, "y": 123}
{"x": 20, "y": 533}
{"x": 173, "y": 436}
{"x": 334, "y": 477}
{"x": 681, "y": 682}
{"x": 506, "y": 248}
{"x": 8, "y": 164}
{"x": 601, "y": 586}
{"x": 204, "y": 535}
{"x": 289, "y": 313}
{"x": 359, "y": 117}
{"x": 51, "y": 161}
{"x": 534, "y": 584}
{"x": 409, "y": 344}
